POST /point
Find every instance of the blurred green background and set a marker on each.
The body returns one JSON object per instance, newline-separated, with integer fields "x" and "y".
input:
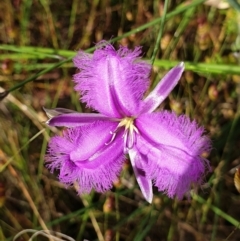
{"x": 38, "y": 38}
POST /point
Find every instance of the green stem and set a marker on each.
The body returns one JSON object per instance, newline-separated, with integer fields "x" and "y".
{"x": 175, "y": 12}
{"x": 218, "y": 211}
{"x": 17, "y": 86}
{"x": 160, "y": 33}
{"x": 179, "y": 10}
{"x": 206, "y": 68}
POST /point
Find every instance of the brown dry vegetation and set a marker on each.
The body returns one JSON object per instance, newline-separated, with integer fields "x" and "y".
{"x": 32, "y": 198}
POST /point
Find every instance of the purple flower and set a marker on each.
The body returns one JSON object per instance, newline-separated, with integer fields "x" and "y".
{"x": 164, "y": 149}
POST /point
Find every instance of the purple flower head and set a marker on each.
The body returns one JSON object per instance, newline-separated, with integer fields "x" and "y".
{"x": 164, "y": 149}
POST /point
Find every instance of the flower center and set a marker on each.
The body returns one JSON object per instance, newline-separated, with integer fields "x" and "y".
{"x": 130, "y": 132}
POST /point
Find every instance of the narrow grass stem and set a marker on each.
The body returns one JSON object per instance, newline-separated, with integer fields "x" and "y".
{"x": 218, "y": 211}
{"x": 38, "y": 74}
{"x": 178, "y": 10}
{"x": 175, "y": 12}
{"x": 160, "y": 33}
{"x": 28, "y": 197}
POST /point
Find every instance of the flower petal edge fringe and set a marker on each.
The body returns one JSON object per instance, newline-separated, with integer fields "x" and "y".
{"x": 164, "y": 149}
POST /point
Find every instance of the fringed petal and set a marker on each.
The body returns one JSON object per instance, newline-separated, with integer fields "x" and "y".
{"x": 166, "y": 128}
{"x": 163, "y": 89}
{"x": 112, "y": 82}
{"x": 91, "y": 139}
{"x": 172, "y": 147}
{"x": 96, "y": 171}
{"x": 144, "y": 182}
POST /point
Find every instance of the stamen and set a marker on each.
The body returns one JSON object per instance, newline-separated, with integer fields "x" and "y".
{"x": 113, "y": 133}
{"x": 129, "y": 136}
{"x": 125, "y": 138}
{"x": 112, "y": 139}
{"x": 131, "y": 139}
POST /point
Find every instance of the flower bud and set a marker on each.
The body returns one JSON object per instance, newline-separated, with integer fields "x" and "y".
{"x": 108, "y": 205}
{"x": 213, "y": 92}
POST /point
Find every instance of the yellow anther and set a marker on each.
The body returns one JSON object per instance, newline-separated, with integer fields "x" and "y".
{"x": 128, "y": 122}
